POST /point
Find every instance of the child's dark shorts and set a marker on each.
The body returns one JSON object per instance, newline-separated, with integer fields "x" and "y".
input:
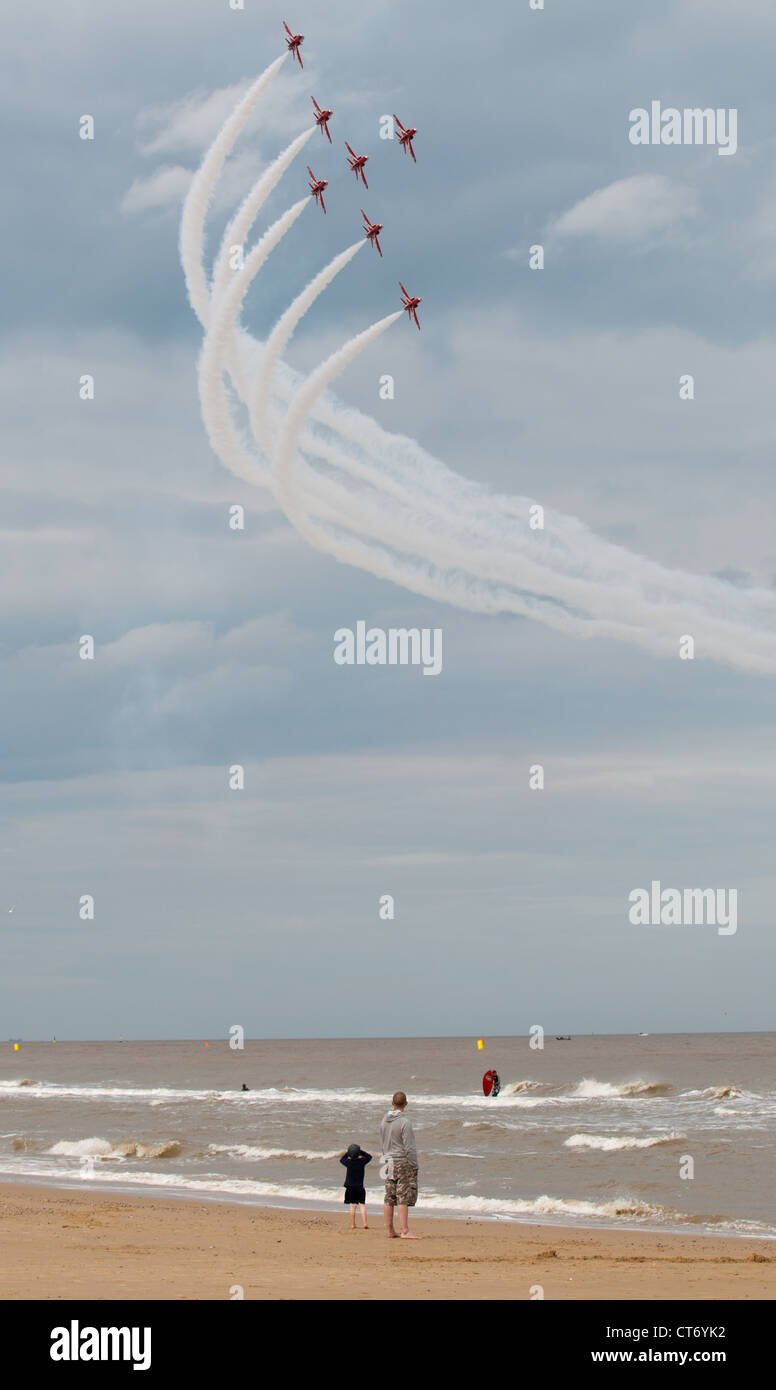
{"x": 355, "y": 1196}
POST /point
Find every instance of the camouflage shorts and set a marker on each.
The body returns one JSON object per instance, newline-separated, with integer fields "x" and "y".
{"x": 401, "y": 1189}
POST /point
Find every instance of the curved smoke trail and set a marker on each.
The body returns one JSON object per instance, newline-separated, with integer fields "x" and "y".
{"x": 223, "y": 434}
{"x": 197, "y": 201}
{"x": 328, "y": 501}
{"x": 221, "y": 430}
{"x": 303, "y": 402}
{"x": 448, "y": 537}
{"x": 327, "y": 498}
{"x": 280, "y": 337}
{"x": 251, "y": 206}
{"x": 352, "y": 549}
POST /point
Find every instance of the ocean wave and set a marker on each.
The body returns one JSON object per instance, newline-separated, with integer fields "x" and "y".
{"x": 549, "y": 1206}
{"x": 105, "y": 1150}
{"x": 610, "y": 1143}
{"x": 256, "y": 1151}
{"x": 57, "y": 1091}
{"x": 211, "y": 1184}
{"x": 168, "y": 1148}
{"x": 590, "y": 1089}
{"x": 518, "y": 1095}
{"x": 433, "y": 1201}
{"x": 623, "y": 1208}
{"x": 483, "y": 1125}
{"x": 452, "y": 1153}
{"x": 162, "y": 1095}
{"x": 728, "y": 1091}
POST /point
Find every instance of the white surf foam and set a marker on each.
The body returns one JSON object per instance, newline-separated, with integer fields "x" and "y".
{"x": 590, "y": 1089}
{"x": 161, "y": 1095}
{"x": 434, "y": 1201}
{"x": 257, "y": 1151}
{"x": 484, "y": 1125}
{"x": 104, "y": 1149}
{"x": 610, "y": 1143}
{"x": 548, "y": 1206}
{"x": 619, "y": 1209}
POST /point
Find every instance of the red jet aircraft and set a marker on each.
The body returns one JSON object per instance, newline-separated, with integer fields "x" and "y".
{"x": 294, "y": 42}
{"x": 322, "y": 118}
{"x": 316, "y": 188}
{"x": 372, "y": 230}
{"x": 410, "y": 304}
{"x": 357, "y": 162}
{"x": 406, "y": 137}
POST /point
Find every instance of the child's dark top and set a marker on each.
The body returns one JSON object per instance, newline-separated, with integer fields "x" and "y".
{"x": 355, "y": 1169}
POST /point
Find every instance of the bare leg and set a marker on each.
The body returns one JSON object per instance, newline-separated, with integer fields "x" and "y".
{"x": 352, "y": 1218}
{"x": 388, "y": 1213}
{"x": 404, "y": 1225}
{"x": 362, "y": 1209}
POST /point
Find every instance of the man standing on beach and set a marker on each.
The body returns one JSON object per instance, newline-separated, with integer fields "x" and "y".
{"x": 400, "y": 1160}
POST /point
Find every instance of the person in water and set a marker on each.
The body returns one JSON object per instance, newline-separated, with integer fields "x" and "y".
{"x": 355, "y": 1160}
{"x": 245, "y": 1088}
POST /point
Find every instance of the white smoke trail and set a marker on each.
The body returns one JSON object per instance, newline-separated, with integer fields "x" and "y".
{"x": 406, "y": 569}
{"x": 330, "y": 500}
{"x": 301, "y": 405}
{"x": 201, "y": 191}
{"x": 495, "y": 557}
{"x": 443, "y": 521}
{"x": 280, "y": 337}
{"x": 248, "y": 211}
{"x": 483, "y": 561}
{"x": 221, "y": 429}
{"x": 223, "y": 434}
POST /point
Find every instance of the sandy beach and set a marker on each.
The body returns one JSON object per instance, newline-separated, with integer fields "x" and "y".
{"x": 78, "y": 1245}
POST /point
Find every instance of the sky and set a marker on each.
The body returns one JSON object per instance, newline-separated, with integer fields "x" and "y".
{"x": 214, "y": 647}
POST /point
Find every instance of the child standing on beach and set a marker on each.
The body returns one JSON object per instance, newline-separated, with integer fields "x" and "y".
{"x": 355, "y": 1160}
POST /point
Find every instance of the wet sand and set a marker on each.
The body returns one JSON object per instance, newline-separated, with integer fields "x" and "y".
{"x": 76, "y": 1244}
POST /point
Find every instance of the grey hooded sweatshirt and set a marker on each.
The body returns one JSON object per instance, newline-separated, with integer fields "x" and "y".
{"x": 397, "y": 1137}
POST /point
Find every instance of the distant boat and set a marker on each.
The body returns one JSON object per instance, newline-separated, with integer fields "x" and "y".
{"x": 563, "y": 1037}
{"x": 643, "y": 1035}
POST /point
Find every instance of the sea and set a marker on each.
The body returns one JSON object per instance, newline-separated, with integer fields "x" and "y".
{"x": 658, "y": 1132}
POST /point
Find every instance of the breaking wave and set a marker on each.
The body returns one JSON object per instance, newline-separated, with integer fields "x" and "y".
{"x": 483, "y": 1125}
{"x": 518, "y": 1094}
{"x": 549, "y": 1206}
{"x": 609, "y": 1143}
{"x": 103, "y": 1149}
{"x": 256, "y": 1151}
{"x": 590, "y": 1089}
{"x": 726, "y": 1092}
